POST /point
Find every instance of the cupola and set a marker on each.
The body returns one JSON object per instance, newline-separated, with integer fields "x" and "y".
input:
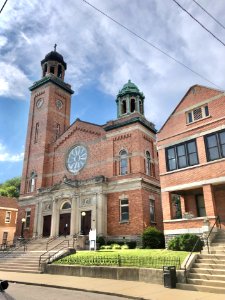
{"x": 130, "y": 100}
{"x": 53, "y": 63}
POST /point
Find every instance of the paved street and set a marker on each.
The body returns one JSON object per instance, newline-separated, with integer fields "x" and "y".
{"x": 17, "y": 291}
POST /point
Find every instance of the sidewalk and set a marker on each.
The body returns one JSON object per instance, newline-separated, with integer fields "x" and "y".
{"x": 132, "y": 289}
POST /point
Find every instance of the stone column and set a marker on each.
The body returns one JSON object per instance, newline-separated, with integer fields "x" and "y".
{"x": 209, "y": 199}
{"x": 101, "y": 214}
{"x": 128, "y": 104}
{"x": 35, "y": 220}
{"x": 40, "y": 220}
{"x": 73, "y": 229}
{"x": 54, "y": 218}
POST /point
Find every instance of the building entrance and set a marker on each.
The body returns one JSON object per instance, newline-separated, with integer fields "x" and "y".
{"x": 64, "y": 224}
{"x": 47, "y": 226}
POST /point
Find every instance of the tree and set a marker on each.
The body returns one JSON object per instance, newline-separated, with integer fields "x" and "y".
{"x": 11, "y": 187}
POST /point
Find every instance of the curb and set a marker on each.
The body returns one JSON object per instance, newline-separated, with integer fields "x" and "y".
{"x": 78, "y": 289}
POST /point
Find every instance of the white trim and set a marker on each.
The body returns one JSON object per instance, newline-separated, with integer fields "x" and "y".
{"x": 193, "y": 136}
{"x": 183, "y": 230}
{"x": 194, "y": 184}
{"x": 9, "y": 208}
{"x": 192, "y": 167}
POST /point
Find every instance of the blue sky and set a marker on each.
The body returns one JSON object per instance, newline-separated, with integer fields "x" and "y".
{"x": 101, "y": 57}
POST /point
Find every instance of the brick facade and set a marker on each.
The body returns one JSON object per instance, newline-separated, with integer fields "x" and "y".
{"x": 200, "y": 186}
{"x": 96, "y": 188}
{"x": 8, "y": 219}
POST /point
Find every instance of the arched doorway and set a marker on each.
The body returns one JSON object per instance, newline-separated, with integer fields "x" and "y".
{"x": 46, "y": 225}
{"x": 64, "y": 218}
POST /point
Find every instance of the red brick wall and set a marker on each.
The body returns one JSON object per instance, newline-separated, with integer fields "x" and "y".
{"x": 28, "y": 232}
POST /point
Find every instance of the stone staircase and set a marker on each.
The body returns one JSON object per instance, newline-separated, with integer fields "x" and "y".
{"x": 28, "y": 261}
{"x": 207, "y": 274}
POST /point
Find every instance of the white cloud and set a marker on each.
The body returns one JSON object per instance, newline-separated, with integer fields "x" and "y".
{"x": 8, "y": 157}
{"x": 96, "y": 49}
{"x": 13, "y": 82}
{"x": 3, "y": 40}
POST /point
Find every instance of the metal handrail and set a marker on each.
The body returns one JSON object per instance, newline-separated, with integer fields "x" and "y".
{"x": 207, "y": 239}
{"x": 50, "y": 241}
{"x": 40, "y": 258}
{"x": 185, "y": 266}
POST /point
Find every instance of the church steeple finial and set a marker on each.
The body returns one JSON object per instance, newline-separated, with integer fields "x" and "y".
{"x": 55, "y": 47}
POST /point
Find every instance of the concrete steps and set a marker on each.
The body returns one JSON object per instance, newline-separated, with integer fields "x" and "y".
{"x": 207, "y": 273}
{"x": 28, "y": 261}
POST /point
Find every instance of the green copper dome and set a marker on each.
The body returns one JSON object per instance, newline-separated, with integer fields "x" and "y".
{"x": 128, "y": 88}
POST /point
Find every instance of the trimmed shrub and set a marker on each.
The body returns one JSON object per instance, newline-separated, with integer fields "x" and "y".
{"x": 185, "y": 242}
{"x": 100, "y": 240}
{"x": 106, "y": 247}
{"x": 124, "y": 247}
{"x": 116, "y": 246}
{"x": 131, "y": 244}
{"x": 153, "y": 238}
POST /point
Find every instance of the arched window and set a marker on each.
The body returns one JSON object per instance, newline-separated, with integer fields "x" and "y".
{"x": 123, "y": 162}
{"x": 44, "y": 70}
{"x": 66, "y": 205}
{"x": 132, "y": 105}
{"x": 59, "y": 74}
{"x": 123, "y": 107}
{"x": 32, "y": 182}
{"x": 148, "y": 163}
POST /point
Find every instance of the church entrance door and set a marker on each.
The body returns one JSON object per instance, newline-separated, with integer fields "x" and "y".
{"x": 64, "y": 224}
{"x": 47, "y": 226}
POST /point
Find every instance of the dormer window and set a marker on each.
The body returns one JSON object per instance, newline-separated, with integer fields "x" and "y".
{"x": 197, "y": 114}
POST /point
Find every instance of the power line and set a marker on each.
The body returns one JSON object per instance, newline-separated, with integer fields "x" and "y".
{"x": 209, "y": 14}
{"x": 150, "y": 44}
{"x": 3, "y": 6}
{"x": 199, "y": 22}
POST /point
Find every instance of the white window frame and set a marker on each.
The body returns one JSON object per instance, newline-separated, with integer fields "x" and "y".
{"x": 27, "y": 217}
{"x": 191, "y": 113}
{"x": 122, "y": 205}
{"x": 8, "y": 215}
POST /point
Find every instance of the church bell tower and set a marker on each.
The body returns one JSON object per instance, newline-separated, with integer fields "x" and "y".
{"x": 49, "y": 118}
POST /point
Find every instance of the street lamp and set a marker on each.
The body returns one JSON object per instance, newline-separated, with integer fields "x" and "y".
{"x": 83, "y": 214}
{"x": 22, "y": 228}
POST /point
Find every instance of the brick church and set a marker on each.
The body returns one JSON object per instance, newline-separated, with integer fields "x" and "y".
{"x": 84, "y": 176}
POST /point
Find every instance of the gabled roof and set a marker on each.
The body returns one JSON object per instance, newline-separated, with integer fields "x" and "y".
{"x": 193, "y": 86}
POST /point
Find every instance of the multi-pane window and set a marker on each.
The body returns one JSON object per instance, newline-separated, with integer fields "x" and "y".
{"x": 182, "y": 155}
{"x": 197, "y": 114}
{"x": 152, "y": 210}
{"x": 123, "y": 162}
{"x": 215, "y": 145}
{"x": 124, "y": 210}
{"x": 27, "y": 217}
{"x": 7, "y": 216}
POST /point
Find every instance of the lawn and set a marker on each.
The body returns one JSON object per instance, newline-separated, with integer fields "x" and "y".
{"x": 149, "y": 258}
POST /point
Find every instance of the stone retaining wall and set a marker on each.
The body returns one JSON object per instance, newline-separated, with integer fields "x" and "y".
{"x": 118, "y": 273}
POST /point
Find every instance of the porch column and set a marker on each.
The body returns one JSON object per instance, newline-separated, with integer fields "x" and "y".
{"x": 209, "y": 199}
{"x": 73, "y": 216}
{"x": 166, "y": 205}
{"x": 182, "y": 205}
{"x": 54, "y": 217}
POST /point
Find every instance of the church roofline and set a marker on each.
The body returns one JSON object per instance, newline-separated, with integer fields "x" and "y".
{"x": 140, "y": 120}
{"x": 51, "y": 78}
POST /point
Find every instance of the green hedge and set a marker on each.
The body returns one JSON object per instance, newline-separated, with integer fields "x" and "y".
{"x": 152, "y": 238}
{"x": 186, "y": 242}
